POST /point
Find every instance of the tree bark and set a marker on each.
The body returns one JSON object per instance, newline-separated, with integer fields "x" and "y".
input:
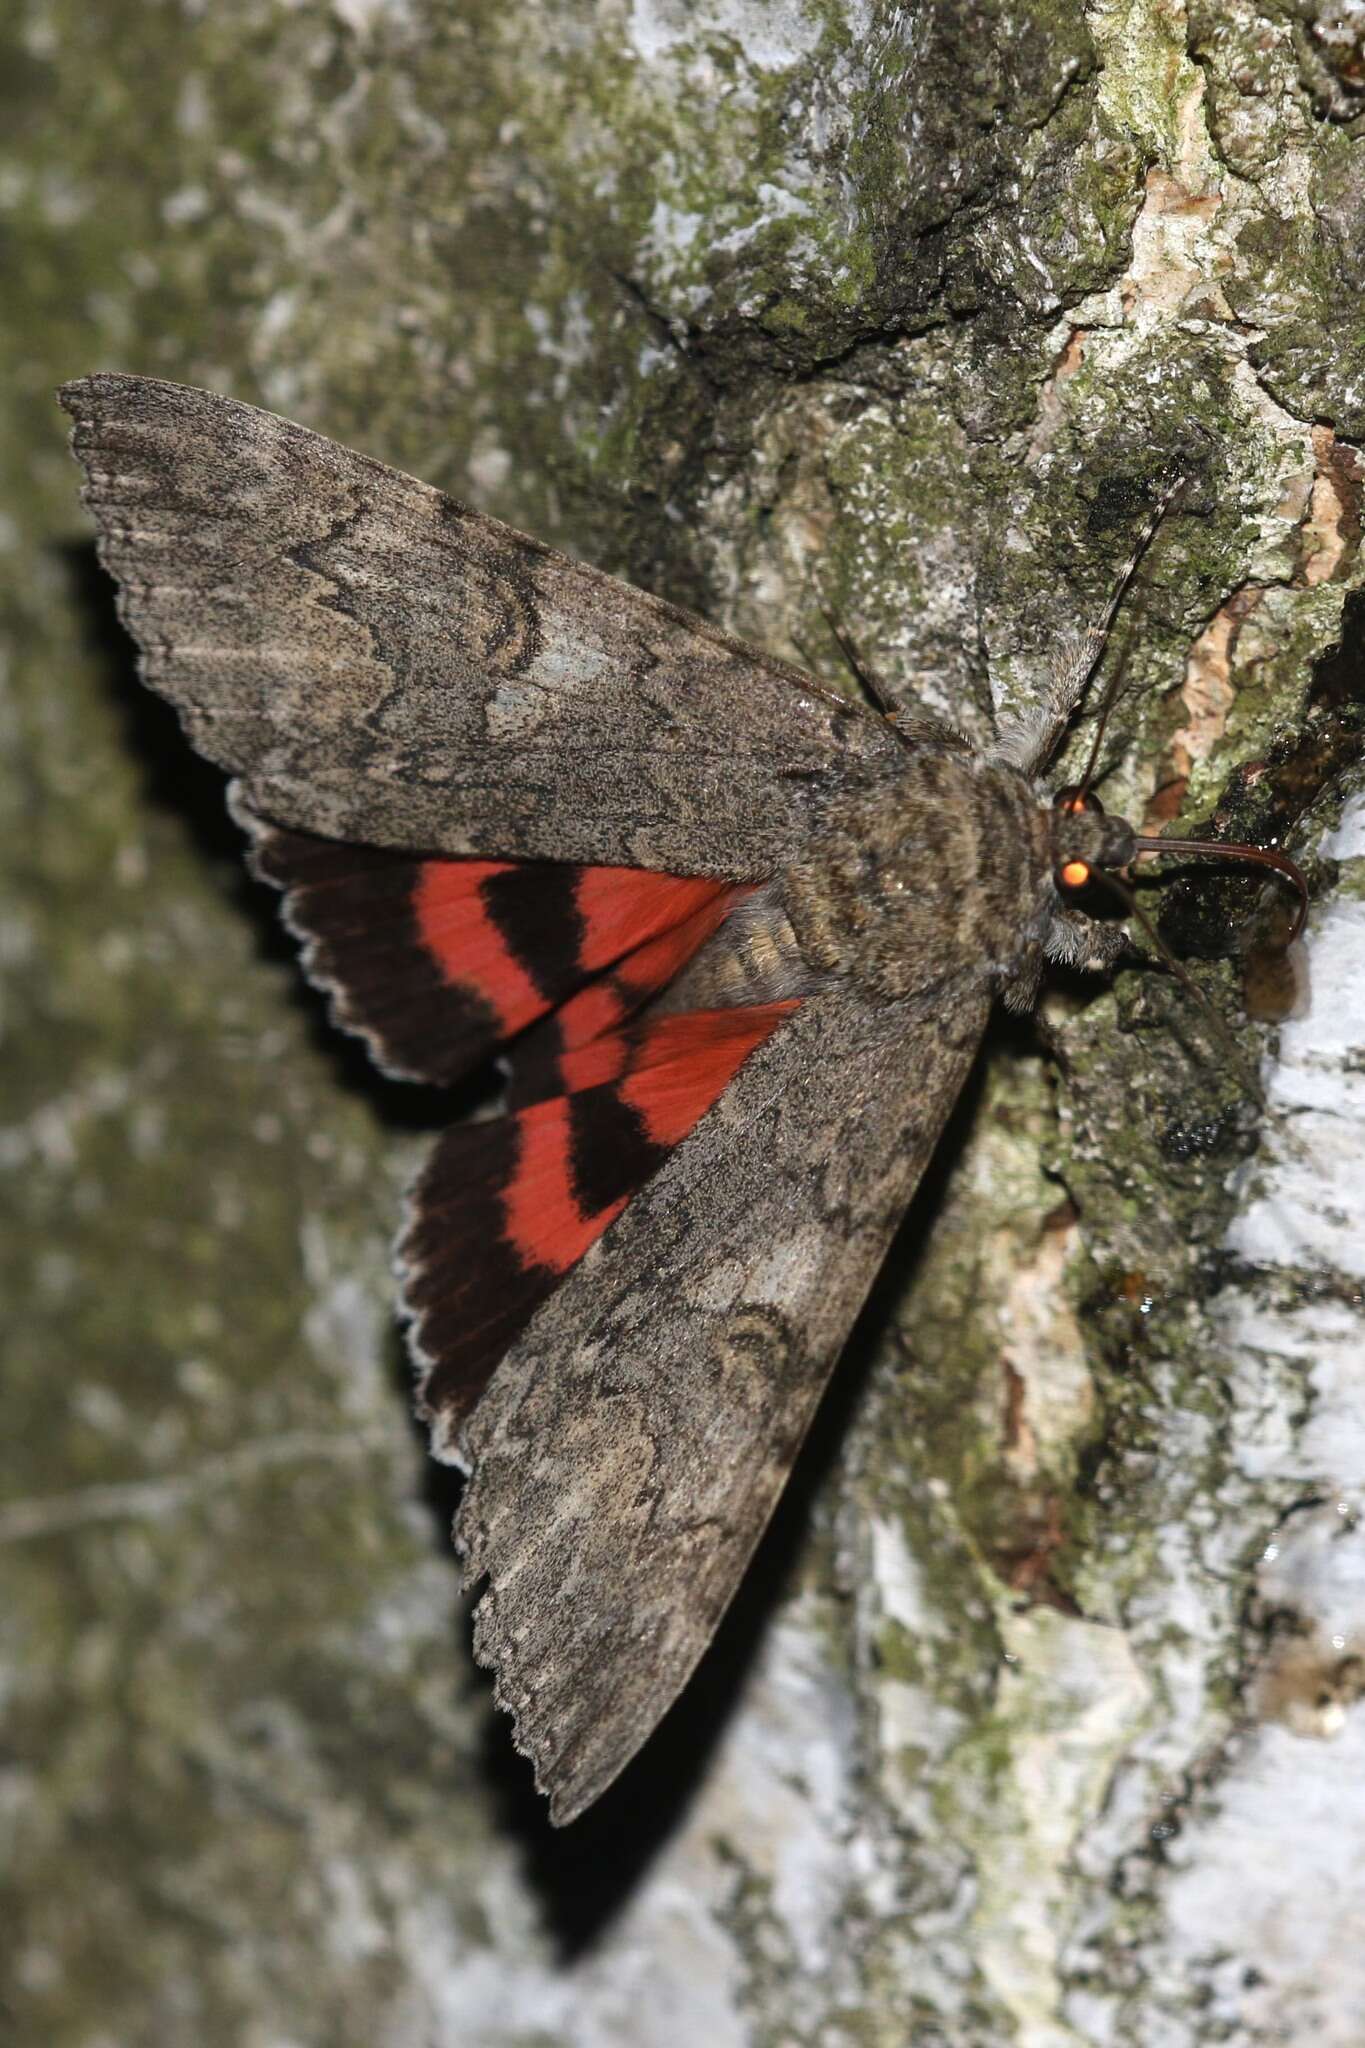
{"x": 1037, "y": 1721}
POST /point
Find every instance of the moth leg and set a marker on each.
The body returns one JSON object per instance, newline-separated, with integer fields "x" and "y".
{"x": 861, "y": 670}
{"x": 1030, "y": 738}
{"x": 1052, "y": 1045}
{"x": 912, "y": 727}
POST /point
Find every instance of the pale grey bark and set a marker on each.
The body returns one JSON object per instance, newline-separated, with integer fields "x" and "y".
{"x": 1037, "y": 1724}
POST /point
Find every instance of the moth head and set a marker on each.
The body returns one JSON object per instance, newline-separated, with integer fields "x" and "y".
{"x": 1088, "y": 848}
{"x": 1086, "y": 841}
{"x": 1089, "y": 852}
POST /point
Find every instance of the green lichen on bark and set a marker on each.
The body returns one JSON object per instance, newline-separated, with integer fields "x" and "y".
{"x": 782, "y": 308}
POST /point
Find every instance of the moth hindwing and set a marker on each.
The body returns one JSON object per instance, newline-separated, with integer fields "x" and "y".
{"x": 738, "y": 937}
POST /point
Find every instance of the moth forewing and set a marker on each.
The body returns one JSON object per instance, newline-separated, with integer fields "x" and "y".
{"x": 378, "y": 662}
{"x": 632, "y": 1445}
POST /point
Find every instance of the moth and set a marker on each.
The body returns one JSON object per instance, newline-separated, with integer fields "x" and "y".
{"x": 736, "y": 936}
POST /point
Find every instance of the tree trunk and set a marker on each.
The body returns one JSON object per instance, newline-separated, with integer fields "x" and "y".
{"x": 1036, "y": 1722}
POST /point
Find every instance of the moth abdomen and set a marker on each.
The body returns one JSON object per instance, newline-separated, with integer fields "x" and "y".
{"x": 754, "y": 958}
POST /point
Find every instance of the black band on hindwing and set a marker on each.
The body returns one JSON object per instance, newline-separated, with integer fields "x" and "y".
{"x": 542, "y": 928}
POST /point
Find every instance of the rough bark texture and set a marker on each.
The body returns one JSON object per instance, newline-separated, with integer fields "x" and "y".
{"x": 1037, "y": 1723}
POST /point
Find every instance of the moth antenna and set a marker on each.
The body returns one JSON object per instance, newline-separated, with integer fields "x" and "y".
{"x": 1220, "y": 1030}
{"x": 1037, "y": 740}
{"x": 1090, "y": 774}
{"x": 1098, "y": 637}
{"x": 858, "y": 667}
{"x": 1259, "y": 856}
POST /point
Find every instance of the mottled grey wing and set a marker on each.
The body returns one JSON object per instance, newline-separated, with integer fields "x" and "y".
{"x": 631, "y": 1446}
{"x": 380, "y": 663}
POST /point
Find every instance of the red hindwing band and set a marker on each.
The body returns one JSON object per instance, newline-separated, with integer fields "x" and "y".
{"x": 438, "y": 963}
{"x": 506, "y": 1208}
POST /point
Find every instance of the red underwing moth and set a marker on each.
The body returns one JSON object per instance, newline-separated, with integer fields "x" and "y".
{"x": 739, "y": 935}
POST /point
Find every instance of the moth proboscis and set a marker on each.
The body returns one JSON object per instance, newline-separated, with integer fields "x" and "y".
{"x": 740, "y": 935}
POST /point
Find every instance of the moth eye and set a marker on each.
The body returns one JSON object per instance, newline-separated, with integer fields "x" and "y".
{"x": 1074, "y": 874}
{"x": 1075, "y": 799}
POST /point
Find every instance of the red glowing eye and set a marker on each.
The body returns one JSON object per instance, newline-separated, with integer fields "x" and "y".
{"x": 1075, "y": 800}
{"x": 1075, "y": 874}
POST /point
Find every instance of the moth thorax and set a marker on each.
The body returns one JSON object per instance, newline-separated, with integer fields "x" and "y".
{"x": 934, "y": 877}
